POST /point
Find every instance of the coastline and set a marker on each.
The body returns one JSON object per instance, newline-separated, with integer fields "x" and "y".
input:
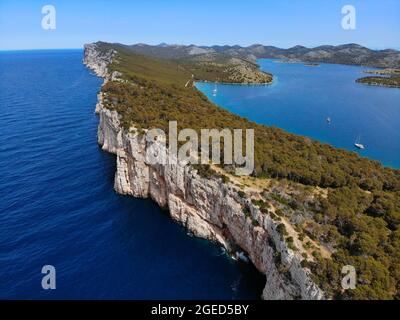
{"x": 292, "y": 200}
{"x": 206, "y": 207}
{"x": 376, "y": 84}
{"x": 379, "y": 85}
{"x": 237, "y": 84}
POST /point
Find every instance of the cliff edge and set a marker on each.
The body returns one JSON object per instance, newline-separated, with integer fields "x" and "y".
{"x": 207, "y": 207}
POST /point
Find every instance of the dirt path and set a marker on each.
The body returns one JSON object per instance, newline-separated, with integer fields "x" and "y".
{"x": 254, "y": 188}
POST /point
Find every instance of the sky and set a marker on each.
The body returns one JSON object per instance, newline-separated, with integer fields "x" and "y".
{"x": 282, "y": 23}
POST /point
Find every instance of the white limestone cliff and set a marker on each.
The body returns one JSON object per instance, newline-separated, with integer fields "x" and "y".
{"x": 207, "y": 207}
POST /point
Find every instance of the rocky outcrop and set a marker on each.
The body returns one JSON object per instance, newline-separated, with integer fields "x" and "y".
{"x": 207, "y": 207}
{"x": 98, "y": 61}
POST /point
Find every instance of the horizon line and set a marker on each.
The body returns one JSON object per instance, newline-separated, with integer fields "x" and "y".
{"x": 38, "y": 49}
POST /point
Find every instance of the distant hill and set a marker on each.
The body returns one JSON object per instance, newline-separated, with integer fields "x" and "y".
{"x": 191, "y": 62}
{"x": 344, "y": 54}
{"x": 169, "y": 51}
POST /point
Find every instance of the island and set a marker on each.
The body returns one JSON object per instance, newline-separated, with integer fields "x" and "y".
{"x": 388, "y": 77}
{"x": 306, "y": 211}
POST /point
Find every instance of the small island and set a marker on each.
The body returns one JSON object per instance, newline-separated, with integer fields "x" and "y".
{"x": 388, "y": 77}
{"x": 312, "y": 64}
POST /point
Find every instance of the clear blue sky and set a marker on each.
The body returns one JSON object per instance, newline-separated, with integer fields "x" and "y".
{"x": 282, "y": 23}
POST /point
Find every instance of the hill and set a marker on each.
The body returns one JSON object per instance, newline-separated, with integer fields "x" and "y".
{"x": 343, "y": 54}
{"x": 188, "y": 63}
{"x": 335, "y": 207}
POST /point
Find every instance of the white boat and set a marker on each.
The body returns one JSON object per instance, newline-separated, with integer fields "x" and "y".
{"x": 329, "y": 120}
{"x": 215, "y": 91}
{"x": 358, "y": 144}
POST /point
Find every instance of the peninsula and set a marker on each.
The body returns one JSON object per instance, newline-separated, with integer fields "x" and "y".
{"x": 307, "y": 210}
{"x": 388, "y": 77}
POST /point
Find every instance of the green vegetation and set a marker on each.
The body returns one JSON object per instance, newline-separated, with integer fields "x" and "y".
{"x": 241, "y": 194}
{"x": 393, "y": 81}
{"x": 221, "y": 68}
{"x": 386, "y": 71}
{"x": 364, "y": 228}
{"x": 281, "y": 229}
{"x": 290, "y": 243}
{"x": 264, "y": 206}
{"x": 255, "y": 223}
{"x": 359, "y": 218}
{"x": 214, "y": 68}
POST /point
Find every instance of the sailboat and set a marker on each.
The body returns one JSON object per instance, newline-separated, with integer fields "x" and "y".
{"x": 215, "y": 91}
{"x": 358, "y": 144}
{"x": 328, "y": 120}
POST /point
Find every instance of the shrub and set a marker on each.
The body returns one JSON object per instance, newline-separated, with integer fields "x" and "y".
{"x": 281, "y": 229}
{"x": 241, "y": 194}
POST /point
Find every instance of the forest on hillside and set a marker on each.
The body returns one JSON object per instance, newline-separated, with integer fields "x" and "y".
{"x": 359, "y": 219}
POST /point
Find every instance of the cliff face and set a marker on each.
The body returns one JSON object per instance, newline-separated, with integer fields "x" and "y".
{"x": 208, "y": 208}
{"x": 98, "y": 61}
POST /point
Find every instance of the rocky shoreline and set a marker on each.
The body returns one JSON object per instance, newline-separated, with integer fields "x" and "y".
{"x": 376, "y": 84}
{"x": 207, "y": 207}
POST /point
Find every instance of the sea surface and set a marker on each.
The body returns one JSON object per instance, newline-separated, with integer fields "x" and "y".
{"x": 301, "y": 99}
{"x": 58, "y": 206}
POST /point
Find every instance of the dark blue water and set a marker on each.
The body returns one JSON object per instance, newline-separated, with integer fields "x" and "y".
{"x": 302, "y": 98}
{"x": 58, "y": 206}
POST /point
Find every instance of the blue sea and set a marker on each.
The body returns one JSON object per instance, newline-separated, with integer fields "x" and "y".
{"x": 301, "y": 99}
{"x": 58, "y": 206}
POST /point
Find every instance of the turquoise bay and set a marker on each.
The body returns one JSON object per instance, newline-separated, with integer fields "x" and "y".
{"x": 301, "y": 99}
